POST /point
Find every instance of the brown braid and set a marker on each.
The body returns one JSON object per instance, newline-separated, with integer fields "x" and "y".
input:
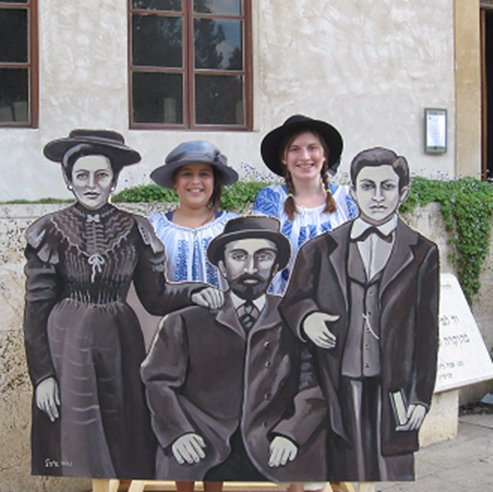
{"x": 330, "y": 203}
{"x": 215, "y": 199}
{"x": 289, "y": 204}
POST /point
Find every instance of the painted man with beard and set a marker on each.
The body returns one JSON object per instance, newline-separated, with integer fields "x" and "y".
{"x": 232, "y": 396}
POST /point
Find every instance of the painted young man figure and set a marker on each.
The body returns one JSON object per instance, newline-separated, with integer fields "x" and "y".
{"x": 365, "y": 297}
{"x": 231, "y": 397}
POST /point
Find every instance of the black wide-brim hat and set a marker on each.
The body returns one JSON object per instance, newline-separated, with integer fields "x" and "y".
{"x": 193, "y": 152}
{"x": 270, "y": 148}
{"x": 248, "y": 227}
{"x": 108, "y": 142}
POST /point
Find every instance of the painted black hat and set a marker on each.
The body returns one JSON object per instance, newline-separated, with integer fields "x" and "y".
{"x": 108, "y": 142}
{"x": 247, "y": 227}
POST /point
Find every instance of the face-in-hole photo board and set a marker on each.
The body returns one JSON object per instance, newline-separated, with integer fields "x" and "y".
{"x": 330, "y": 381}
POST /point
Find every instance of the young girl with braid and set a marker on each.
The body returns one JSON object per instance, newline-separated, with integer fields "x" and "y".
{"x": 304, "y": 151}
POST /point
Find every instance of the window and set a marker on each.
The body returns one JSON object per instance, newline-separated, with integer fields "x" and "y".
{"x": 18, "y": 63}
{"x": 190, "y": 64}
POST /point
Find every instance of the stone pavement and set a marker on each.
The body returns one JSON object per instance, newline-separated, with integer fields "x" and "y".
{"x": 459, "y": 465}
{"x": 463, "y": 464}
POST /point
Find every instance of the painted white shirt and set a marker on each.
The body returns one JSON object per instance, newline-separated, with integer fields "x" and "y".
{"x": 374, "y": 250}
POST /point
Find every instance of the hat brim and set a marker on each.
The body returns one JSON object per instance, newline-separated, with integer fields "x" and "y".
{"x": 215, "y": 250}
{"x": 120, "y": 153}
{"x": 270, "y": 146}
{"x": 163, "y": 175}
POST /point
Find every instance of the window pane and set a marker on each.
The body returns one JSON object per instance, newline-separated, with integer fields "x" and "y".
{"x": 228, "y": 7}
{"x": 14, "y": 95}
{"x": 13, "y": 35}
{"x": 157, "y": 41}
{"x": 218, "y": 44}
{"x": 157, "y": 98}
{"x": 219, "y": 100}
{"x": 174, "y": 5}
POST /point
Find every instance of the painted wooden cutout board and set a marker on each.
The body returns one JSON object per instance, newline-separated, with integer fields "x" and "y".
{"x": 330, "y": 382}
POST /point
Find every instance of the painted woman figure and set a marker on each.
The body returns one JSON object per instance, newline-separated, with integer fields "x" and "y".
{"x": 303, "y": 151}
{"x": 83, "y": 342}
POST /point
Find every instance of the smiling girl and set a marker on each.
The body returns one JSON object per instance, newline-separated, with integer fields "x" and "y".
{"x": 303, "y": 151}
{"x": 197, "y": 171}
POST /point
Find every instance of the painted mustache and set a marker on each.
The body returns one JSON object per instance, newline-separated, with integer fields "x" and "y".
{"x": 250, "y": 279}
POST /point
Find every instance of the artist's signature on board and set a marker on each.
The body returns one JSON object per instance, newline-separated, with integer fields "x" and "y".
{"x": 49, "y": 463}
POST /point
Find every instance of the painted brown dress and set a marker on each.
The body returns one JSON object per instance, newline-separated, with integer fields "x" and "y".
{"x": 79, "y": 330}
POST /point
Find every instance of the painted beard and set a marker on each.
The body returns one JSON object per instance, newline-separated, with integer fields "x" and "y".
{"x": 249, "y": 286}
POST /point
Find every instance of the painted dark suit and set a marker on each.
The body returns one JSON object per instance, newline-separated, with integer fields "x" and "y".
{"x": 408, "y": 341}
{"x": 251, "y": 383}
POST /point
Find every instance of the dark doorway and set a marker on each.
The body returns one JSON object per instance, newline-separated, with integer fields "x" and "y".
{"x": 487, "y": 90}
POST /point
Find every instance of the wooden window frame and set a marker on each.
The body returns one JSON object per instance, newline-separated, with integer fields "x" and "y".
{"x": 31, "y": 64}
{"x": 188, "y": 71}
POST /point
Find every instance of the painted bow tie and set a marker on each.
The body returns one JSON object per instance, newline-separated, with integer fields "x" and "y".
{"x": 92, "y": 218}
{"x": 374, "y": 230}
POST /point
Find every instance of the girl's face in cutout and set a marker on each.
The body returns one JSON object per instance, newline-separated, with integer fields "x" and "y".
{"x": 304, "y": 157}
{"x": 92, "y": 181}
{"x": 194, "y": 184}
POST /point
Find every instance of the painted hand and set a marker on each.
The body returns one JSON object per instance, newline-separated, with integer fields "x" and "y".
{"x": 210, "y": 297}
{"x": 282, "y": 450}
{"x": 48, "y": 398}
{"x": 188, "y": 449}
{"x": 415, "y": 416}
{"x": 315, "y": 328}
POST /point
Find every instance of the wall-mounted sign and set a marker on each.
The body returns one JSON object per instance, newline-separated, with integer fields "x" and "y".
{"x": 435, "y": 131}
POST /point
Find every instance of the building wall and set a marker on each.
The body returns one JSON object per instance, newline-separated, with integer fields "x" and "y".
{"x": 368, "y": 66}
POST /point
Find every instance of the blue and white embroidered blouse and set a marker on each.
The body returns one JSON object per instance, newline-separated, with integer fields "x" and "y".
{"x": 186, "y": 248}
{"x": 309, "y": 223}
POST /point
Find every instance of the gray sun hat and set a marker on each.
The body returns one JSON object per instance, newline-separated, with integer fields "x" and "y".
{"x": 193, "y": 152}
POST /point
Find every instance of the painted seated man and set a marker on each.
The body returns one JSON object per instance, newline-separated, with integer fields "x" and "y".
{"x": 365, "y": 298}
{"x": 231, "y": 395}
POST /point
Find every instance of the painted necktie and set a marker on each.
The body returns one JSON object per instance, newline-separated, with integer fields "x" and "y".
{"x": 247, "y": 314}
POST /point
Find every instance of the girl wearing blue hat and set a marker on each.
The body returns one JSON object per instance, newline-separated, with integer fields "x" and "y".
{"x": 197, "y": 171}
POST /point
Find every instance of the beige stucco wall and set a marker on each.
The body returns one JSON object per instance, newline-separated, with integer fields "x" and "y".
{"x": 368, "y": 66}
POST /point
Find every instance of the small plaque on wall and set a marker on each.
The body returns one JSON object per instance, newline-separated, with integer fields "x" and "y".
{"x": 435, "y": 130}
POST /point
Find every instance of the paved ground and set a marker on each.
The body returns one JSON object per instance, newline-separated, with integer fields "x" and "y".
{"x": 463, "y": 464}
{"x": 459, "y": 465}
